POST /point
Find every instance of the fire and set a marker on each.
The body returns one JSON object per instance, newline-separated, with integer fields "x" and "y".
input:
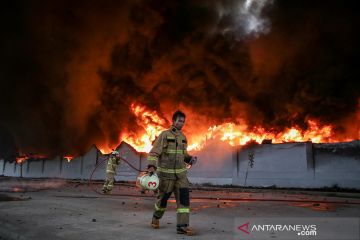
{"x": 105, "y": 150}
{"x": 233, "y": 133}
{"x": 21, "y": 159}
{"x": 152, "y": 124}
{"x": 239, "y": 135}
{"x": 68, "y": 158}
{"x": 24, "y": 158}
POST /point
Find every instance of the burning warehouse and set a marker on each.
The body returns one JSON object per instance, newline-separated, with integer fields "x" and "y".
{"x": 270, "y": 90}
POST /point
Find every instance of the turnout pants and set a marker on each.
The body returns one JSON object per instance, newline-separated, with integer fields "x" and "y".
{"x": 180, "y": 187}
{"x": 110, "y": 173}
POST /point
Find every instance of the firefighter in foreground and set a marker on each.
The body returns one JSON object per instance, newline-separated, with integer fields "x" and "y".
{"x": 112, "y": 163}
{"x": 168, "y": 158}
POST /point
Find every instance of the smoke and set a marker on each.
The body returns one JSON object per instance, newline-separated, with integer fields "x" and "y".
{"x": 244, "y": 18}
{"x": 70, "y": 70}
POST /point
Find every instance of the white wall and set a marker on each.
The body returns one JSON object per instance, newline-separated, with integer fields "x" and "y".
{"x": 33, "y": 168}
{"x": 72, "y": 169}
{"x": 124, "y": 172}
{"x": 11, "y": 169}
{"x": 1, "y": 166}
{"x": 283, "y": 165}
{"x": 303, "y": 165}
{"x": 90, "y": 159}
{"x": 214, "y": 164}
{"x": 337, "y": 164}
{"x": 52, "y": 168}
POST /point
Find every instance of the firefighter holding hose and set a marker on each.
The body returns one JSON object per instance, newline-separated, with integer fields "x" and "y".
{"x": 169, "y": 158}
{"x": 112, "y": 163}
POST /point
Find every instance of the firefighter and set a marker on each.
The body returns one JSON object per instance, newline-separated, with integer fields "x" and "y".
{"x": 168, "y": 157}
{"x": 112, "y": 163}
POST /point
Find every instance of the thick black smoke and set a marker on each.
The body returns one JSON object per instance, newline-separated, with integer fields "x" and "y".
{"x": 71, "y": 69}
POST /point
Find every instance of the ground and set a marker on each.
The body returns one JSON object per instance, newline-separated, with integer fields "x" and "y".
{"x": 58, "y": 209}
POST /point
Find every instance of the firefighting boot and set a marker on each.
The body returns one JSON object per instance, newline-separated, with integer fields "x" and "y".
{"x": 106, "y": 191}
{"x": 185, "y": 230}
{"x": 155, "y": 223}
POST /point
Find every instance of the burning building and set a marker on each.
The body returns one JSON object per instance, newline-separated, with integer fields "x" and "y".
{"x": 76, "y": 74}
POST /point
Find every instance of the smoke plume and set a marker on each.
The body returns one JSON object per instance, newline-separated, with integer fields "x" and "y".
{"x": 71, "y": 69}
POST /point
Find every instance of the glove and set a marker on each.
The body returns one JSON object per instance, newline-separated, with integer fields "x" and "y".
{"x": 192, "y": 160}
{"x": 118, "y": 160}
{"x": 151, "y": 169}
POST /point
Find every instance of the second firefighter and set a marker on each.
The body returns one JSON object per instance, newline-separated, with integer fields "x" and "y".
{"x": 112, "y": 163}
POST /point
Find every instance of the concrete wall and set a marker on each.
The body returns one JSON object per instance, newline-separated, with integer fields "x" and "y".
{"x": 283, "y": 165}
{"x": 33, "y": 168}
{"x": 1, "y": 166}
{"x": 337, "y": 164}
{"x": 214, "y": 164}
{"x": 52, "y": 168}
{"x": 90, "y": 160}
{"x": 10, "y": 169}
{"x": 125, "y": 172}
{"x": 72, "y": 169}
{"x": 303, "y": 165}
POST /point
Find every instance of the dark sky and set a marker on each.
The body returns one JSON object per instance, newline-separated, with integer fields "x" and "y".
{"x": 71, "y": 69}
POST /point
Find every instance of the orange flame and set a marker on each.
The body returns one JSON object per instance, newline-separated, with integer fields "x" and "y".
{"x": 238, "y": 134}
{"x": 105, "y": 149}
{"x": 230, "y": 132}
{"x": 68, "y": 158}
{"x": 152, "y": 124}
{"x": 21, "y": 159}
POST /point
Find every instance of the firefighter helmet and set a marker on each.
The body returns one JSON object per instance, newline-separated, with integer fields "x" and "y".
{"x": 115, "y": 153}
{"x": 147, "y": 181}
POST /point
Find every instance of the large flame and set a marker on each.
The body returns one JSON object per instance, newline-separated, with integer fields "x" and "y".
{"x": 230, "y": 132}
{"x": 234, "y": 134}
{"x": 150, "y": 122}
{"x": 239, "y": 135}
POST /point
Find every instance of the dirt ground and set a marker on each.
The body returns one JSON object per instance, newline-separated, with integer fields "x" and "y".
{"x": 59, "y": 209}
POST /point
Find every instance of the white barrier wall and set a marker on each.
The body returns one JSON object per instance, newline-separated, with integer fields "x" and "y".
{"x": 71, "y": 169}
{"x": 303, "y": 165}
{"x": 124, "y": 171}
{"x": 33, "y": 168}
{"x": 337, "y": 164}
{"x": 1, "y": 166}
{"x": 282, "y": 165}
{"x": 214, "y": 164}
{"x": 10, "y": 169}
{"x": 99, "y": 173}
{"x": 90, "y": 159}
{"x": 52, "y": 168}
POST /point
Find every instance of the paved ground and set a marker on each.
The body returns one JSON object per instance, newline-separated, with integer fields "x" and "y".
{"x": 56, "y": 209}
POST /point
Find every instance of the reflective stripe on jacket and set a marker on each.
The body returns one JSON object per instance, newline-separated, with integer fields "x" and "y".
{"x": 168, "y": 154}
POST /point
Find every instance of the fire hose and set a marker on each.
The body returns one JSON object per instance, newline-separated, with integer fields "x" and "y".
{"x": 211, "y": 198}
{"x": 102, "y": 162}
{"x": 123, "y": 159}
